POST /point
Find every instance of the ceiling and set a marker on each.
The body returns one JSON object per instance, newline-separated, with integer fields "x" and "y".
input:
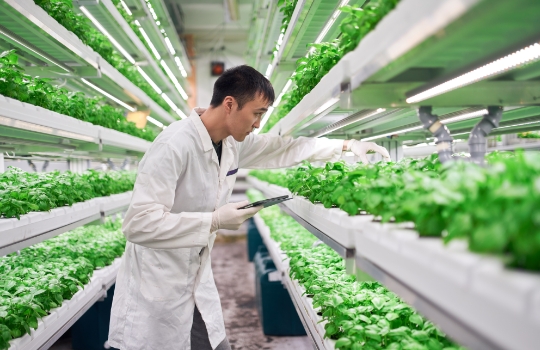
{"x": 205, "y": 20}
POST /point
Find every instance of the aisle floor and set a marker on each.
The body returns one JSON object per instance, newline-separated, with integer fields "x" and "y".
{"x": 235, "y": 280}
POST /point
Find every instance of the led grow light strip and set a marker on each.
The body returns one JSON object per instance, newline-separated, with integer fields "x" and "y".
{"x": 107, "y": 34}
{"x": 169, "y": 45}
{"x": 148, "y": 41}
{"x": 265, "y": 119}
{"x": 283, "y": 92}
{"x": 330, "y": 22}
{"x": 174, "y": 80}
{"x": 105, "y": 93}
{"x": 465, "y": 116}
{"x": 150, "y": 81}
{"x": 392, "y": 133}
{"x": 155, "y": 122}
{"x": 379, "y": 110}
{"x": 173, "y": 106}
{"x": 180, "y": 66}
{"x": 518, "y": 58}
{"x": 326, "y": 105}
{"x": 34, "y": 51}
{"x": 126, "y": 8}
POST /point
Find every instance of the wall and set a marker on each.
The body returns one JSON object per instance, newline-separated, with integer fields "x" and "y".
{"x": 205, "y": 82}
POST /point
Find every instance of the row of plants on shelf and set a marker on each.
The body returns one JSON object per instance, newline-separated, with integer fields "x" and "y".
{"x": 14, "y": 83}
{"x": 39, "y": 278}
{"x": 22, "y": 192}
{"x": 324, "y": 56}
{"x": 529, "y": 135}
{"x": 64, "y": 13}
{"x": 495, "y": 208}
{"x": 358, "y": 315}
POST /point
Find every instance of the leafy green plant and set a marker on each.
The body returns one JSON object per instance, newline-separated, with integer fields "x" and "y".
{"x": 22, "y": 192}
{"x": 40, "y": 92}
{"x": 496, "y": 208}
{"x": 42, "y": 276}
{"x": 322, "y": 57}
{"x": 528, "y": 135}
{"x": 64, "y": 13}
{"x": 358, "y": 315}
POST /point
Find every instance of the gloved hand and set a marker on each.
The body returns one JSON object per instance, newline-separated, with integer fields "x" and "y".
{"x": 361, "y": 149}
{"x": 229, "y": 217}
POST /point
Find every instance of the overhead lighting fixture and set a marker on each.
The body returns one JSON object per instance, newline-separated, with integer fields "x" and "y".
{"x": 518, "y": 58}
{"x": 170, "y": 102}
{"x": 280, "y": 39}
{"x": 105, "y": 93}
{"x": 283, "y": 92}
{"x": 404, "y": 131}
{"x": 181, "y": 114}
{"x": 268, "y": 71}
{"x": 149, "y": 42}
{"x": 34, "y": 51}
{"x": 326, "y": 105}
{"x": 169, "y": 45}
{"x": 106, "y": 33}
{"x": 174, "y": 80}
{"x": 126, "y": 8}
{"x": 512, "y": 126}
{"x": 264, "y": 119}
{"x": 330, "y": 22}
{"x": 461, "y": 133}
{"x": 155, "y": 122}
{"x": 149, "y": 81}
{"x": 354, "y": 120}
{"x": 465, "y": 116}
{"x": 20, "y": 124}
{"x": 180, "y": 66}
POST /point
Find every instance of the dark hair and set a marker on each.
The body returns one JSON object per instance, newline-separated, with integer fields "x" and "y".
{"x": 243, "y": 83}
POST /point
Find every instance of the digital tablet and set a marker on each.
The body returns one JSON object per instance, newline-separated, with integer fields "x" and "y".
{"x": 267, "y": 202}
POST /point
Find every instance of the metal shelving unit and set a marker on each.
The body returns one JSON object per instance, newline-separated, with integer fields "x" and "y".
{"x": 303, "y": 304}
{"x": 56, "y": 52}
{"x": 473, "y": 298}
{"x": 51, "y": 327}
{"x": 36, "y": 227}
{"x": 417, "y": 46}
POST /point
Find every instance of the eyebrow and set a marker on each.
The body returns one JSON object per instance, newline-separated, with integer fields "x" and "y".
{"x": 262, "y": 109}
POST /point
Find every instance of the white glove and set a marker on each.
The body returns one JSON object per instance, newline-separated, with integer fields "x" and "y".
{"x": 361, "y": 149}
{"x": 229, "y": 217}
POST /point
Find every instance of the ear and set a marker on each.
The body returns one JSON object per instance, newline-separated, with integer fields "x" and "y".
{"x": 228, "y": 103}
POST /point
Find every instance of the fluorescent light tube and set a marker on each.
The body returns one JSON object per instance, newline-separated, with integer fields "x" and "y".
{"x": 265, "y": 119}
{"x": 147, "y": 39}
{"x": 465, "y": 116}
{"x": 392, "y": 133}
{"x": 518, "y": 58}
{"x": 169, "y": 102}
{"x": 106, "y": 33}
{"x": 180, "y": 66}
{"x": 105, "y": 93}
{"x": 169, "y": 45}
{"x": 150, "y": 81}
{"x": 155, "y": 122}
{"x": 181, "y": 114}
{"x": 379, "y": 110}
{"x": 326, "y": 105}
{"x": 34, "y": 51}
{"x": 461, "y": 133}
{"x": 268, "y": 71}
{"x": 126, "y": 8}
{"x": 174, "y": 80}
{"x": 512, "y": 126}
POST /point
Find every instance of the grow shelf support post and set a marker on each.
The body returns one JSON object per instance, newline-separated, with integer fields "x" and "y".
{"x": 477, "y": 139}
{"x": 432, "y": 123}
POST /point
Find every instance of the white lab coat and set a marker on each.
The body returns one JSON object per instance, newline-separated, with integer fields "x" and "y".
{"x": 179, "y": 184}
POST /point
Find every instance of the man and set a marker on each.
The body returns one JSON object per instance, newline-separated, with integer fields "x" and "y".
{"x": 165, "y": 295}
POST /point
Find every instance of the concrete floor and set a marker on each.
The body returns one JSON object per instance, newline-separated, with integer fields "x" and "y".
{"x": 235, "y": 280}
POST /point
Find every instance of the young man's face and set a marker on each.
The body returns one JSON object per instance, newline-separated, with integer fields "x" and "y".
{"x": 242, "y": 122}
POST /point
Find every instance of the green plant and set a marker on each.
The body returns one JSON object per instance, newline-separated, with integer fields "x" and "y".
{"x": 496, "y": 209}
{"x": 40, "y": 92}
{"x": 63, "y": 12}
{"x": 529, "y": 135}
{"x": 358, "y": 315}
{"x": 322, "y": 57}
{"x": 42, "y": 276}
{"x": 22, "y": 192}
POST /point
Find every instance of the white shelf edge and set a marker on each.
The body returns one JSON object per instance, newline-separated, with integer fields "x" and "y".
{"x": 39, "y": 17}
{"x": 36, "y": 227}
{"x": 25, "y": 116}
{"x": 474, "y": 298}
{"x": 52, "y": 326}
{"x": 308, "y": 316}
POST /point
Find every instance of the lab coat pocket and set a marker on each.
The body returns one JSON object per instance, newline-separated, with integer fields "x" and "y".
{"x": 164, "y": 273}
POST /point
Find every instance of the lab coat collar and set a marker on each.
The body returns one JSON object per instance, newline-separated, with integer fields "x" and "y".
{"x": 203, "y": 133}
